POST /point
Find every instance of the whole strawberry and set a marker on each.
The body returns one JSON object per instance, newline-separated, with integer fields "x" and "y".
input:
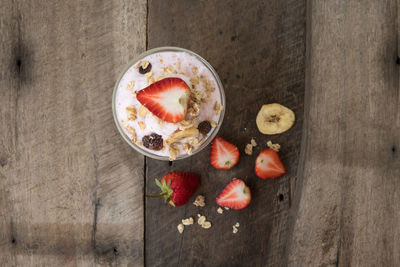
{"x": 177, "y": 187}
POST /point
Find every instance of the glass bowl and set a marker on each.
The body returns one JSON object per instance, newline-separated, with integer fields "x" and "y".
{"x": 214, "y": 130}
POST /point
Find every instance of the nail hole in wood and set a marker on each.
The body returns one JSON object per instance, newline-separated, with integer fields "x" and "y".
{"x": 19, "y": 63}
{"x": 281, "y": 197}
{"x": 398, "y": 61}
{"x": 115, "y": 251}
{"x": 233, "y": 38}
{"x": 393, "y": 149}
{"x": 220, "y": 32}
{"x": 170, "y": 163}
{"x": 13, "y": 241}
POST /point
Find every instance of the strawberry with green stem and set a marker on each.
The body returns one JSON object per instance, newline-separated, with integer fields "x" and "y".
{"x": 177, "y": 187}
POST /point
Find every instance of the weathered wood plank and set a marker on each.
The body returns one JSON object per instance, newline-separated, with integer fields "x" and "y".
{"x": 71, "y": 189}
{"x": 258, "y": 49}
{"x": 349, "y": 193}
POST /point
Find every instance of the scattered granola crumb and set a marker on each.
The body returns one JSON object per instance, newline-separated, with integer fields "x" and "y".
{"x": 130, "y": 130}
{"x": 198, "y": 215}
{"x": 201, "y": 219}
{"x": 194, "y": 80}
{"x": 226, "y": 208}
{"x": 237, "y": 224}
{"x": 195, "y": 70}
{"x": 149, "y": 74}
{"x": 206, "y": 225}
{"x": 217, "y": 107}
{"x": 145, "y": 64}
{"x": 137, "y": 65}
{"x": 142, "y": 111}
{"x": 139, "y": 143}
{"x": 272, "y": 146}
{"x": 142, "y": 125}
{"x": 253, "y": 142}
{"x": 170, "y": 68}
{"x": 213, "y": 124}
{"x": 180, "y": 228}
{"x": 130, "y": 86}
{"x": 235, "y": 230}
{"x": 248, "y": 149}
{"x": 199, "y": 201}
{"x": 220, "y": 211}
{"x": 131, "y": 112}
{"x": 187, "y": 221}
{"x": 173, "y": 153}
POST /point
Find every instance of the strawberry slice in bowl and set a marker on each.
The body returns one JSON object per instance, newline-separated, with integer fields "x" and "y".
{"x": 236, "y": 195}
{"x": 168, "y": 99}
{"x": 223, "y": 155}
{"x": 269, "y": 165}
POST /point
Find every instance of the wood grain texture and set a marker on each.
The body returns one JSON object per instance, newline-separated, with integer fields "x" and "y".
{"x": 258, "y": 50}
{"x": 70, "y": 188}
{"x": 349, "y": 195}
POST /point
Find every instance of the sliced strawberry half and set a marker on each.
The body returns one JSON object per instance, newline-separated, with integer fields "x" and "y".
{"x": 236, "y": 195}
{"x": 223, "y": 155}
{"x": 168, "y": 99}
{"x": 269, "y": 165}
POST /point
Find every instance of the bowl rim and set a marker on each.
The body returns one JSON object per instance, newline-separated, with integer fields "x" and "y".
{"x": 169, "y": 49}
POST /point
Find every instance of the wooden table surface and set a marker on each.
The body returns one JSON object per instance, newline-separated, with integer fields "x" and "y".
{"x": 72, "y": 191}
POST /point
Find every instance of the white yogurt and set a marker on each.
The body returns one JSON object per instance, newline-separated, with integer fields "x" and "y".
{"x": 183, "y": 64}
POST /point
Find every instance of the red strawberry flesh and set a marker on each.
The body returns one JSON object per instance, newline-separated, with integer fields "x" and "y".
{"x": 268, "y": 165}
{"x": 167, "y": 99}
{"x": 236, "y": 195}
{"x": 223, "y": 155}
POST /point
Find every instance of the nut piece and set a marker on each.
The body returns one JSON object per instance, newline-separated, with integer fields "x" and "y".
{"x": 191, "y": 132}
{"x": 237, "y": 224}
{"x": 180, "y": 228}
{"x": 220, "y": 211}
{"x": 253, "y": 142}
{"x": 194, "y": 80}
{"x": 130, "y": 130}
{"x": 131, "y": 112}
{"x": 206, "y": 225}
{"x": 199, "y": 201}
{"x": 130, "y": 86}
{"x": 139, "y": 143}
{"x": 142, "y": 125}
{"x": 235, "y": 230}
{"x": 213, "y": 124}
{"x": 137, "y": 65}
{"x": 185, "y": 124}
{"x": 217, "y": 107}
{"x": 187, "y": 221}
{"x": 272, "y": 146}
{"x": 173, "y": 153}
{"x": 187, "y": 148}
{"x": 142, "y": 111}
{"x": 248, "y": 149}
{"x": 201, "y": 220}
